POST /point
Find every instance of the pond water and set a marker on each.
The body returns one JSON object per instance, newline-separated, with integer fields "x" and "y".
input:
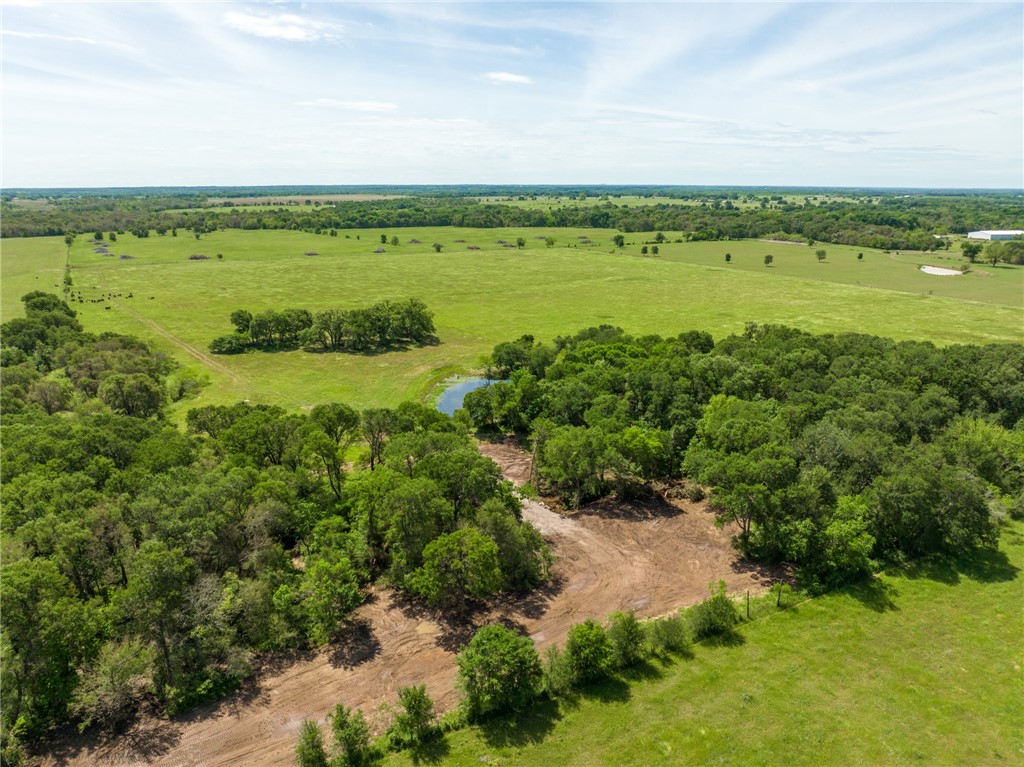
{"x": 451, "y": 399}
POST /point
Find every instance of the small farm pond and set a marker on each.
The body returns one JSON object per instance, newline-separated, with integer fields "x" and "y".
{"x": 451, "y": 399}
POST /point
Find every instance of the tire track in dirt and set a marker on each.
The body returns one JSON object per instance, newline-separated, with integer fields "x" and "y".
{"x": 206, "y": 359}
{"x": 651, "y": 559}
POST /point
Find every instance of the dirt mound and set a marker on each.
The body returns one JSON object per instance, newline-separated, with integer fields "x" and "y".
{"x": 651, "y": 558}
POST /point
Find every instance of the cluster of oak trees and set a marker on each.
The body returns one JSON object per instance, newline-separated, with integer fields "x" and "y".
{"x": 145, "y": 562}
{"x": 1005, "y": 251}
{"x": 829, "y": 452}
{"x": 384, "y": 325}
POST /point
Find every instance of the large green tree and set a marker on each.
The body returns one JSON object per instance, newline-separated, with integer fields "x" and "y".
{"x": 499, "y": 670}
{"x": 456, "y": 566}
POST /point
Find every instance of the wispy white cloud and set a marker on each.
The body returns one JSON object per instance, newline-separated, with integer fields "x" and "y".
{"x": 50, "y": 36}
{"x": 758, "y": 93}
{"x": 507, "y": 78}
{"x": 284, "y": 26}
{"x": 355, "y": 106}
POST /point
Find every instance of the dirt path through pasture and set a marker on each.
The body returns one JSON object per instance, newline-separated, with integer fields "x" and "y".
{"x": 651, "y": 558}
{"x": 206, "y": 359}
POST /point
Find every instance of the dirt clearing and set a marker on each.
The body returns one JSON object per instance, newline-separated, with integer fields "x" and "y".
{"x": 651, "y": 558}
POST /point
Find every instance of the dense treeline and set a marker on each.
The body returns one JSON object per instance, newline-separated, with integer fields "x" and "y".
{"x": 887, "y": 221}
{"x": 384, "y": 325}
{"x": 827, "y": 451}
{"x": 145, "y": 562}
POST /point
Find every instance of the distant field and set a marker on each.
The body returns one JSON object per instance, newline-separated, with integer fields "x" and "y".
{"x": 919, "y": 668}
{"x": 481, "y": 297}
{"x": 1002, "y": 284}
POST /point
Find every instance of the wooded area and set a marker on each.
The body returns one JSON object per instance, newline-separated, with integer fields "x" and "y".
{"x": 140, "y": 560}
{"x": 830, "y": 452}
{"x": 143, "y": 562}
{"x": 887, "y": 220}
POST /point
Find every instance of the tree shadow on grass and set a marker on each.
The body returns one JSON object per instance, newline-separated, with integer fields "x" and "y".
{"x": 526, "y": 728}
{"x": 669, "y": 658}
{"x": 728, "y": 639}
{"x": 433, "y": 751}
{"x": 644, "y": 671}
{"x": 988, "y": 566}
{"x": 875, "y": 594}
{"x": 981, "y": 565}
{"x": 608, "y": 690}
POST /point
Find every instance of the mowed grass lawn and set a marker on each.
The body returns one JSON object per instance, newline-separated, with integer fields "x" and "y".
{"x": 482, "y": 297}
{"x": 921, "y": 667}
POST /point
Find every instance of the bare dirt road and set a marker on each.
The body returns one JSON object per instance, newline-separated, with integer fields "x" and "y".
{"x": 651, "y": 558}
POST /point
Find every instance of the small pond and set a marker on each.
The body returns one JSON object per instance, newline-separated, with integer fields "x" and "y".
{"x": 451, "y": 399}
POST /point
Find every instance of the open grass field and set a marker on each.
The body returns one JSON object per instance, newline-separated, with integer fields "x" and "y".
{"x": 922, "y": 667}
{"x": 1002, "y": 284}
{"x": 481, "y": 297}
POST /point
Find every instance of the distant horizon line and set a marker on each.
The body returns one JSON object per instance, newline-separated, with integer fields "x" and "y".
{"x": 578, "y": 187}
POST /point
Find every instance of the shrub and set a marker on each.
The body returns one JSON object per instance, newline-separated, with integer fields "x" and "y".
{"x": 715, "y": 616}
{"x": 694, "y": 493}
{"x": 589, "y": 653}
{"x": 232, "y": 344}
{"x": 309, "y": 751}
{"x": 627, "y": 639}
{"x": 558, "y": 676}
{"x": 667, "y": 635}
{"x": 499, "y": 670}
{"x": 415, "y": 723}
{"x": 108, "y": 692}
{"x": 351, "y": 736}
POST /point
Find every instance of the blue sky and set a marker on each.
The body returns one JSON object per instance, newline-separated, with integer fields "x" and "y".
{"x": 828, "y": 94}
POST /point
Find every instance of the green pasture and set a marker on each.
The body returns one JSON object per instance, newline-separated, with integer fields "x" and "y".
{"x": 1002, "y": 284}
{"x": 489, "y": 295}
{"x": 919, "y": 667}
{"x": 27, "y": 264}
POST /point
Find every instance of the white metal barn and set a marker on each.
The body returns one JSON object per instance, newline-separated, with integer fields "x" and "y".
{"x": 995, "y": 234}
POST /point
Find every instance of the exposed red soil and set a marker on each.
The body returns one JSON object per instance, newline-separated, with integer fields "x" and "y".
{"x": 651, "y": 558}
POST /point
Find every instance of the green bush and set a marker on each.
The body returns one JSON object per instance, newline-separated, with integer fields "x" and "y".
{"x": 499, "y": 670}
{"x": 627, "y": 639}
{"x": 351, "y": 736}
{"x": 667, "y": 635}
{"x": 558, "y": 676}
{"x": 715, "y": 616}
{"x": 415, "y": 722}
{"x": 694, "y": 493}
{"x": 589, "y": 652}
{"x": 309, "y": 751}
{"x": 232, "y": 344}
